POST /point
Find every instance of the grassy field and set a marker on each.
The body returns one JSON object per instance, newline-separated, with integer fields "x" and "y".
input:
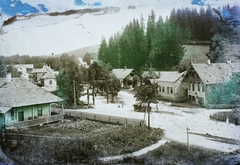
{"x": 177, "y": 153}
{"x": 84, "y": 142}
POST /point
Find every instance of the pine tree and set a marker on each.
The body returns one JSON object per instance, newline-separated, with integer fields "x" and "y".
{"x": 102, "y": 53}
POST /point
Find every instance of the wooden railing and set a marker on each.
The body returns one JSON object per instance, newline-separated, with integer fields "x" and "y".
{"x": 35, "y": 122}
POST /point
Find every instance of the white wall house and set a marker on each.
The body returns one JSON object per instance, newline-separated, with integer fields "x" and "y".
{"x": 50, "y": 83}
{"x": 201, "y": 80}
{"x": 24, "y": 69}
{"x": 45, "y": 77}
{"x": 170, "y": 86}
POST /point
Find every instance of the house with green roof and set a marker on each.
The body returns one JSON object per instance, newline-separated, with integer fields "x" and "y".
{"x": 24, "y": 104}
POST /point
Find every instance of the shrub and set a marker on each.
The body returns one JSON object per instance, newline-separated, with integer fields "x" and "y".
{"x": 222, "y": 116}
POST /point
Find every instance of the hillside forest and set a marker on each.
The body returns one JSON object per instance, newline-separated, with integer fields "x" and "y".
{"x": 159, "y": 44}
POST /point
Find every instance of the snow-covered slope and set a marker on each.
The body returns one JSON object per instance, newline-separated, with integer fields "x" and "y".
{"x": 42, "y": 34}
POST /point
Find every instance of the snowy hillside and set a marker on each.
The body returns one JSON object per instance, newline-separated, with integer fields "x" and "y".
{"x": 45, "y": 34}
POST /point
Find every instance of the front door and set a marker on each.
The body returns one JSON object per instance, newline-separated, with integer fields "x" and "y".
{"x": 21, "y": 116}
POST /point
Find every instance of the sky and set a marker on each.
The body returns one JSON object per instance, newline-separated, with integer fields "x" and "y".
{"x": 44, "y": 35}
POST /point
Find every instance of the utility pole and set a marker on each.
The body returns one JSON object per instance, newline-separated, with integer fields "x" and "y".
{"x": 187, "y": 138}
{"x": 148, "y": 114}
{"x": 74, "y": 95}
{"x": 88, "y": 96}
{"x": 107, "y": 93}
{"x": 155, "y": 94}
{"x": 93, "y": 87}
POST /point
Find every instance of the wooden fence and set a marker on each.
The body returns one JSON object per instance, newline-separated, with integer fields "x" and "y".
{"x": 35, "y": 122}
{"x": 106, "y": 118}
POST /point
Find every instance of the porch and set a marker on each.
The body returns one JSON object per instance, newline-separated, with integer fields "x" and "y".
{"x": 39, "y": 121}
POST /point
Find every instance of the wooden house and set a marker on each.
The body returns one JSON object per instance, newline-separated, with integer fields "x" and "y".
{"x": 125, "y": 76}
{"x": 202, "y": 79}
{"x": 24, "y": 104}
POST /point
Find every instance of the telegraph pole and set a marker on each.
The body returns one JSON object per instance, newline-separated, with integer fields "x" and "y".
{"x": 148, "y": 114}
{"x": 187, "y": 138}
{"x": 93, "y": 93}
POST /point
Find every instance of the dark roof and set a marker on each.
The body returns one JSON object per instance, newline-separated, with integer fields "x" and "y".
{"x": 20, "y": 92}
{"x": 44, "y": 69}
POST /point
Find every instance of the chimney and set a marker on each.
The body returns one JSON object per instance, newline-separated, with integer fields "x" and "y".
{"x": 208, "y": 61}
{"x": 125, "y": 67}
{"x": 9, "y": 77}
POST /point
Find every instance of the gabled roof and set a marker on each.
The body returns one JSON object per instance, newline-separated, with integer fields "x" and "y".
{"x": 147, "y": 74}
{"x": 44, "y": 69}
{"x": 50, "y": 75}
{"x": 170, "y": 76}
{"x": 213, "y": 73}
{"x": 121, "y": 73}
{"x": 20, "y": 92}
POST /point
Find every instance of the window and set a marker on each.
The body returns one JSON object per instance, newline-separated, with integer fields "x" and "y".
{"x": 171, "y": 90}
{"x": 193, "y": 86}
{"x": 199, "y": 87}
{"x": 203, "y": 87}
{"x": 189, "y": 86}
{"x": 21, "y": 116}
{"x": 168, "y": 90}
{"x": 39, "y": 110}
{"x": 50, "y": 82}
{"x": 163, "y": 89}
{"x": 160, "y": 88}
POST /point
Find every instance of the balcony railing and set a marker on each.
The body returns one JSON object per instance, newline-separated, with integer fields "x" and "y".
{"x": 39, "y": 121}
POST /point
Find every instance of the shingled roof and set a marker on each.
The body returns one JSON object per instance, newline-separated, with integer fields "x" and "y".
{"x": 20, "y": 92}
{"x": 213, "y": 73}
{"x": 169, "y": 76}
{"x": 44, "y": 69}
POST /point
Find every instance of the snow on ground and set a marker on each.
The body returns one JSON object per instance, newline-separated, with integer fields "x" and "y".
{"x": 174, "y": 120}
{"x": 44, "y": 35}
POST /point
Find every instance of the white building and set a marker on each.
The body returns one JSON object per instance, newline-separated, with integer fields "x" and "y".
{"x": 24, "y": 69}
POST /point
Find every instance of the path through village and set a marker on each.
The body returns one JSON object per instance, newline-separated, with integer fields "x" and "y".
{"x": 175, "y": 121}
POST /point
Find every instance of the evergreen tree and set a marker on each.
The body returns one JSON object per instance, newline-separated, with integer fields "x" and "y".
{"x": 226, "y": 93}
{"x": 103, "y": 50}
{"x": 150, "y": 35}
{"x": 3, "y": 68}
{"x": 70, "y": 79}
{"x": 225, "y": 33}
